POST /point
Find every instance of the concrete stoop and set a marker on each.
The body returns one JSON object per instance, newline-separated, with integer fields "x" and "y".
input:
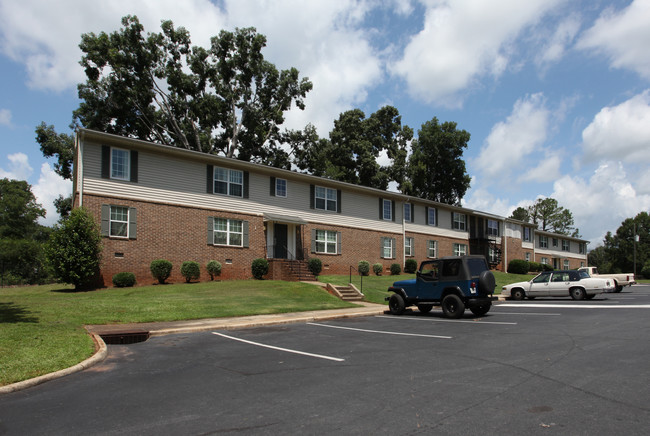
{"x": 346, "y": 293}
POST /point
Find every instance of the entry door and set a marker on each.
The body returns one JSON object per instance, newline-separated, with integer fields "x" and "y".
{"x": 280, "y": 234}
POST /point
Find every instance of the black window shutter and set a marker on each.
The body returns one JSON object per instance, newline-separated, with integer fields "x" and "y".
{"x": 381, "y": 208}
{"x": 209, "y": 187}
{"x": 134, "y": 166}
{"x": 106, "y": 214}
{"x": 312, "y": 194}
{"x": 339, "y": 242}
{"x": 338, "y": 200}
{"x": 313, "y": 240}
{"x": 393, "y": 243}
{"x": 133, "y": 223}
{"x": 210, "y": 230}
{"x": 392, "y": 211}
{"x": 246, "y": 177}
{"x": 412, "y": 213}
{"x": 245, "y": 230}
{"x": 272, "y": 187}
{"x": 106, "y": 162}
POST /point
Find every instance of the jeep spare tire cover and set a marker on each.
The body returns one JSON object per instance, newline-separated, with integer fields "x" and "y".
{"x": 486, "y": 282}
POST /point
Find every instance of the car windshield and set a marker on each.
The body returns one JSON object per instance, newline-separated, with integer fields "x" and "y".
{"x": 476, "y": 266}
{"x": 542, "y": 278}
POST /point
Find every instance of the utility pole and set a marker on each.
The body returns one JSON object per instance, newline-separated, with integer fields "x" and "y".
{"x": 636, "y": 237}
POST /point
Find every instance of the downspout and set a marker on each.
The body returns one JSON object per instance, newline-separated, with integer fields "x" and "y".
{"x": 505, "y": 247}
{"x": 80, "y": 178}
{"x": 404, "y": 238}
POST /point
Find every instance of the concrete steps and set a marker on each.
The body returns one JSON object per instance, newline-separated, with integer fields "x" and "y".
{"x": 346, "y": 293}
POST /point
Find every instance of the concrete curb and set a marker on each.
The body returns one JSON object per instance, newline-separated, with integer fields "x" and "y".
{"x": 100, "y": 355}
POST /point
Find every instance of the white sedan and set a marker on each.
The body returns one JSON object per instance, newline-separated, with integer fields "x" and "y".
{"x": 576, "y": 284}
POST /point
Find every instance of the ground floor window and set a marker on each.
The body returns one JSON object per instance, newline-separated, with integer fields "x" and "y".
{"x": 408, "y": 247}
{"x": 388, "y": 248}
{"x": 527, "y": 257}
{"x": 544, "y": 260}
{"x": 119, "y": 222}
{"x": 460, "y": 249}
{"x": 432, "y": 249}
{"x": 566, "y": 264}
{"x": 325, "y": 242}
{"x": 228, "y": 232}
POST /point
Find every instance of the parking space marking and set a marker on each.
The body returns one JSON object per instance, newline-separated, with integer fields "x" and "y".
{"x": 320, "y": 356}
{"x": 524, "y": 313}
{"x": 580, "y": 306}
{"x": 380, "y": 331}
{"x": 448, "y": 320}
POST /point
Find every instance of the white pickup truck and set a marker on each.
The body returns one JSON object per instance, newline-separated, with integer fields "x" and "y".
{"x": 620, "y": 280}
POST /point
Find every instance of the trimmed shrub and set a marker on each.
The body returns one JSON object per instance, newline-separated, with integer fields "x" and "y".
{"x": 645, "y": 272}
{"x": 410, "y": 266}
{"x": 535, "y": 267}
{"x": 518, "y": 266}
{"x": 364, "y": 267}
{"x": 315, "y": 266}
{"x": 124, "y": 280}
{"x": 547, "y": 267}
{"x": 260, "y": 268}
{"x": 395, "y": 269}
{"x": 378, "y": 268}
{"x": 214, "y": 269}
{"x": 190, "y": 270}
{"x": 161, "y": 269}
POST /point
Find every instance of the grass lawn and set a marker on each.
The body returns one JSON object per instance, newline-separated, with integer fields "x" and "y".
{"x": 41, "y": 327}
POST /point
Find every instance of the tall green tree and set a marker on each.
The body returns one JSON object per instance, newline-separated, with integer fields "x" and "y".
{"x": 549, "y": 216}
{"x": 225, "y": 99}
{"x": 521, "y": 214}
{"x": 21, "y": 237}
{"x": 436, "y": 169}
{"x": 620, "y": 247}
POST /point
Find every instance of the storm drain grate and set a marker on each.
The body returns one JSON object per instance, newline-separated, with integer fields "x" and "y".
{"x": 124, "y": 338}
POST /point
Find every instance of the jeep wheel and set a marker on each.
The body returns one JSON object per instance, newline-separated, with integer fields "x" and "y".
{"x": 452, "y": 306}
{"x": 577, "y": 293}
{"x": 425, "y": 308}
{"x": 481, "y": 310}
{"x": 486, "y": 282}
{"x": 517, "y": 294}
{"x": 396, "y": 304}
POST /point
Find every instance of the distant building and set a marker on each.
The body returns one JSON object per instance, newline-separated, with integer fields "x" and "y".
{"x": 155, "y": 201}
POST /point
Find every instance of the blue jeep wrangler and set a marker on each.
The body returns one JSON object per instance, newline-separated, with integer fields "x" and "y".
{"x": 455, "y": 283}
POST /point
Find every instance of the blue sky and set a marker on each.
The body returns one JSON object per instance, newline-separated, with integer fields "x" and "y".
{"x": 555, "y": 93}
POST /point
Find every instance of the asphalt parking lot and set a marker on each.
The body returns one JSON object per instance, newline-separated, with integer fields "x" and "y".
{"x": 548, "y": 366}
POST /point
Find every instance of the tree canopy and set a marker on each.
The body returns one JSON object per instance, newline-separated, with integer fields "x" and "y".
{"x": 436, "y": 169}
{"x": 547, "y": 215}
{"x": 617, "y": 253}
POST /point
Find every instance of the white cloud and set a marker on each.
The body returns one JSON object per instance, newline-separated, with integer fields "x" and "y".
{"x": 547, "y": 170}
{"x": 510, "y": 141}
{"x": 620, "y": 132}
{"x": 19, "y": 168}
{"x": 602, "y": 202}
{"x": 50, "y": 185}
{"x": 623, "y": 36}
{"x": 462, "y": 41}
{"x": 555, "y": 47}
{"x": 5, "y": 117}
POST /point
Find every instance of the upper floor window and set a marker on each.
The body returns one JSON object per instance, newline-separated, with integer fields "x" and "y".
{"x": 431, "y": 216}
{"x": 408, "y": 215}
{"x": 543, "y": 241}
{"x": 459, "y": 221}
{"x": 325, "y": 198}
{"x": 566, "y": 245}
{"x": 554, "y": 242}
{"x": 528, "y": 234}
{"x": 120, "y": 164}
{"x": 228, "y": 182}
{"x": 493, "y": 228}
{"x": 582, "y": 247}
{"x": 280, "y": 188}
{"x": 386, "y": 210}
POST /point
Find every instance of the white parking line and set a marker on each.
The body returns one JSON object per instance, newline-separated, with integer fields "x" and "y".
{"x": 380, "y": 331}
{"x": 580, "y": 306}
{"x": 446, "y": 320}
{"x": 320, "y": 356}
{"x": 524, "y": 313}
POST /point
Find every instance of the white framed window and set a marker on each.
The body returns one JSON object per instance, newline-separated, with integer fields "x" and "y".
{"x": 527, "y": 257}
{"x": 566, "y": 245}
{"x": 228, "y": 182}
{"x": 493, "y": 228}
{"x": 120, "y": 164}
{"x": 582, "y": 264}
{"x": 280, "y": 188}
{"x": 431, "y": 216}
{"x": 326, "y": 242}
{"x": 544, "y": 261}
{"x": 582, "y": 247}
{"x": 492, "y": 255}
{"x": 228, "y": 232}
{"x": 408, "y": 212}
{"x": 527, "y": 234}
{"x": 554, "y": 242}
{"x": 409, "y": 245}
{"x": 432, "y": 249}
{"x": 119, "y": 222}
{"x": 566, "y": 263}
{"x": 543, "y": 241}
{"x": 325, "y": 198}
{"x": 387, "y": 210}
{"x": 459, "y": 221}
{"x": 460, "y": 249}
{"x": 387, "y": 248}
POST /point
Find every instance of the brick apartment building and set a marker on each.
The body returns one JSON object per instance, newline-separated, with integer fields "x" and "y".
{"x": 155, "y": 201}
